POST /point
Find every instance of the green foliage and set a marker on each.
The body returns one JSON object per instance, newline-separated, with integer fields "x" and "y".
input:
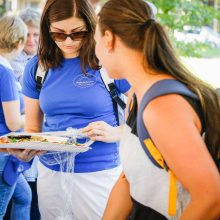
{"x": 2, "y": 9}
{"x": 194, "y": 49}
{"x": 175, "y": 14}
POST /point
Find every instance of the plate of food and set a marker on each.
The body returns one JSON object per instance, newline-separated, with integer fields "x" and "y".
{"x": 45, "y": 142}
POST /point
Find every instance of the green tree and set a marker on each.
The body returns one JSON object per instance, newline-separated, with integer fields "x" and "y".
{"x": 175, "y": 14}
{"x": 2, "y": 7}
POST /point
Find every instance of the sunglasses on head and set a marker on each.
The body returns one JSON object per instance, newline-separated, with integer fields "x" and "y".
{"x": 75, "y": 36}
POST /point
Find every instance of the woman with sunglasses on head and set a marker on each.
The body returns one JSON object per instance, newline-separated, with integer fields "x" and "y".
{"x": 73, "y": 95}
{"x": 177, "y": 121}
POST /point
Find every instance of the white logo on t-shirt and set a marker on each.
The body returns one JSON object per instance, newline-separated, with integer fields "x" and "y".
{"x": 83, "y": 81}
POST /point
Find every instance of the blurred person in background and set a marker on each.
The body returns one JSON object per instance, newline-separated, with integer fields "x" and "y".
{"x": 31, "y": 17}
{"x": 12, "y": 182}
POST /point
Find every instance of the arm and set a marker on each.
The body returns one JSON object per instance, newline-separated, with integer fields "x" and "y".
{"x": 33, "y": 123}
{"x": 11, "y": 101}
{"x": 13, "y": 118}
{"x": 119, "y": 204}
{"x": 179, "y": 127}
{"x": 33, "y": 115}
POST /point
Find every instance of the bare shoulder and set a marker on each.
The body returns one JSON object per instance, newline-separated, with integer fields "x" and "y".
{"x": 170, "y": 108}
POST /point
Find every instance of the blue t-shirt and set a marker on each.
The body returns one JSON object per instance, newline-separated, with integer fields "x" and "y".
{"x": 10, "y": 90}
{"x": 68, "y": 98}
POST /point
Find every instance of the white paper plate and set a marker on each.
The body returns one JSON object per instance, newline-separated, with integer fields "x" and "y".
{"x": 48, "y": 146}
{"x": 32, "y": 145}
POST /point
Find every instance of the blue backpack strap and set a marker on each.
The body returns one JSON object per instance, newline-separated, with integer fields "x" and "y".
{"x": 160, "y": 88}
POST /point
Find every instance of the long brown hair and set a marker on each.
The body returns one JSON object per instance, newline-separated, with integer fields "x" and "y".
{"x": 131, "y": 21}
{"x": 50, "y": 56}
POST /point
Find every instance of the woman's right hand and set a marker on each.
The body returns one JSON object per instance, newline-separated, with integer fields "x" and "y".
{"x": 101, "y": 131}
{"x": 25, "y": 155}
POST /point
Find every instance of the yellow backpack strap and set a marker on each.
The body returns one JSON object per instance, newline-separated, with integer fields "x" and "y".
{"x": 158, "y": 158}
{"x": 172, "y": 194}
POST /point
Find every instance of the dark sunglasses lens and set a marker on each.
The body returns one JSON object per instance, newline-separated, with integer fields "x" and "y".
{"x": 78, "y": 35}
{"x": 58, "y": 36}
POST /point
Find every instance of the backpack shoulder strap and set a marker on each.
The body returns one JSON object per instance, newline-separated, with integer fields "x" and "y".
{"x": 160, "y": 88}
{"x": 165, "y": 87}
{"x": 40, "y": 76}
{"x": 110, "y": 86}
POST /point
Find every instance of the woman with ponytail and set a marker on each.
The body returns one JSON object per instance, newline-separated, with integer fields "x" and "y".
{"x": 178, "y": 120}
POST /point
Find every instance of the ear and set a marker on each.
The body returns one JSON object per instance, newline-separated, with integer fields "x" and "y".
{"x": 109, "y": 40}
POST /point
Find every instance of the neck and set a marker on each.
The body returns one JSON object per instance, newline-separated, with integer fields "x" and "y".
{"x": 132, "y": 69}
{"x": 8, "y": 56}
{"x": 140, "y": 78}
{"x": 69, "y": 56}
{"x": 29, "y": 54}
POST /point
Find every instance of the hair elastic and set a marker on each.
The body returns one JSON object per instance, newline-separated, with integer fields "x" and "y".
{"x": 148, "y": 23}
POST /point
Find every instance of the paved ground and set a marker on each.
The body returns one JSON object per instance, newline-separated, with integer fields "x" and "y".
{"x": 206, "y": 69}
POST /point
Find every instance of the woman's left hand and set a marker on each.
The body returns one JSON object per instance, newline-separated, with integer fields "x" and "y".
{"x": 101, "y": 131}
